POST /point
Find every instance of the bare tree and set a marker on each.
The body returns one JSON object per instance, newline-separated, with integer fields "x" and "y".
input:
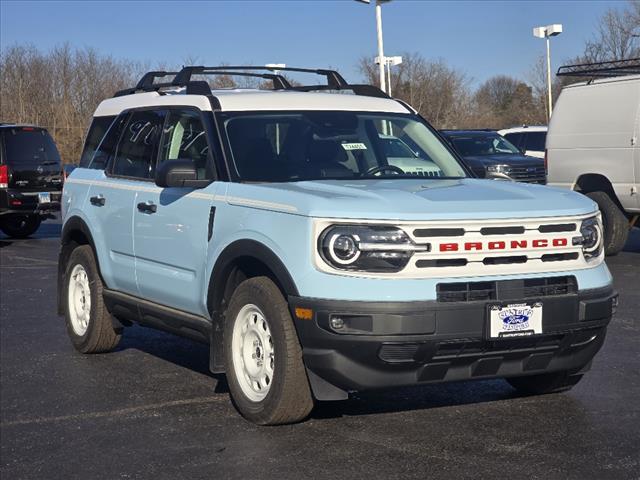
{"x": 59, "y": 89}
{"x": 439, "y": 92}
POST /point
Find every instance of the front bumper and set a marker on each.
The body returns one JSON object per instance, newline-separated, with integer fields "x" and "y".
{"x": 14, "y": 201}
{"x": 406, "y": 343}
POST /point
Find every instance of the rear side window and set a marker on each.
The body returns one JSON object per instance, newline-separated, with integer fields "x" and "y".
{"x": 515, "y": 138}
{"x": 98, "y": 128}
{"x": 29, "y": 146}
{"x": 138, "y": 145}
{"x": 535, "y": 141}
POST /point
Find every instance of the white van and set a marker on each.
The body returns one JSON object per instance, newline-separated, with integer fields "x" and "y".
{"x": 592, "y": 147}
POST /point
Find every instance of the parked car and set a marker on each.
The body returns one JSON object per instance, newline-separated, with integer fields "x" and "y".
{"x": 592, "y": 145}
{"x": 529, "y": 139}
{"x": 30, "y": 179}
{"x": 488, "y": 154}
{"x": 410, "y": 161}
{"x": 272, "y": 227}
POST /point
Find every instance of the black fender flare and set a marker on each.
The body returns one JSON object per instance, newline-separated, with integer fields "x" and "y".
{"x": 68, "y": 235}
{"x": 223, "y": 267}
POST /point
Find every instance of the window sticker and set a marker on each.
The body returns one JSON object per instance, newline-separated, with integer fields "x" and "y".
{"x": 354, "y": 146}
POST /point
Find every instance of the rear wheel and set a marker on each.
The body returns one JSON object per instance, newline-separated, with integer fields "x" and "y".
{"x": 19, "y": 226}
{"x": 545, "y": 383}
{"x": 614, "y": 222}
{"x": 265, "y": 372}
{"x": 89, "y": 324}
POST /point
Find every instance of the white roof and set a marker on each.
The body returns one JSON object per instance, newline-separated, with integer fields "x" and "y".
{"x": 597, "y": 81}
{"x": 252, "y": 100}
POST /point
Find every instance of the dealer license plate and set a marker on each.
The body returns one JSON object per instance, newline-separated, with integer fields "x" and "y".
{"x": 44, "y": 197}
{"x": 515, "y": 320}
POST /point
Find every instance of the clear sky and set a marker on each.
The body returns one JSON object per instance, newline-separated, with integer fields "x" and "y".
{"x": 481, "y": 38}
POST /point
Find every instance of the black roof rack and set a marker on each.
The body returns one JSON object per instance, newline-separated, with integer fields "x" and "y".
{"x": 613, "y": 68}
{"x": 334, "y": 81}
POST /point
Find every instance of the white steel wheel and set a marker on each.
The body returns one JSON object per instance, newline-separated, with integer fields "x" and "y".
{"x": 252, "y": 353}
{"x": 79, "y": 298}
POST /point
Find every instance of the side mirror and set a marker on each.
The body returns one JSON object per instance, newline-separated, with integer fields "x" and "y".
{"x": 178, "y": 173}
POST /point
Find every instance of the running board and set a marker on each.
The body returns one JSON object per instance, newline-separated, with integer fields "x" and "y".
{"x": 151, "y": 314}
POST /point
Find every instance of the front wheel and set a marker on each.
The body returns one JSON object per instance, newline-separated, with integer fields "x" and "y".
{"x": 19, "y": 226}
{"x": 265, "y": 372}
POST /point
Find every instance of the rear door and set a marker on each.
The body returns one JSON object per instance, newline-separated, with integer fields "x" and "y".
{"x": 130, "y": 164}
{"x": 173, "y": 226}
{"x": 32, "y": 159}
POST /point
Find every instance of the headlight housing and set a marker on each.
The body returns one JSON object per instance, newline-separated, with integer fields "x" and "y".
{"x": 367, "y": 248}
{"x": 591, "y": 237}
{"x": 497, "y": 168}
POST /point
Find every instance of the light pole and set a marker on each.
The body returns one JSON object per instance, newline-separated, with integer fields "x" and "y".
{"x": 389, "y": 61}
{"x": 546, "y": 33}
{"x": 379, "y": 3}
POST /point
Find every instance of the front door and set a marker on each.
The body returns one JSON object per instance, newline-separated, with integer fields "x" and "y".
{"x": 173, "y": 226}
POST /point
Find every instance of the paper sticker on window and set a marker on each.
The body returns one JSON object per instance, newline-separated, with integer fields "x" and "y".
{"x": 354, "y": 146}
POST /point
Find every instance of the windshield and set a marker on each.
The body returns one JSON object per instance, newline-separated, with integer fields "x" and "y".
{"x": 316, "y": 145}
{"x": 484, "y": 144}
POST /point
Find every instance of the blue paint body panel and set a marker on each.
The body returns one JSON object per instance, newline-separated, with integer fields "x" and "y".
{"x": 167, "y": 258}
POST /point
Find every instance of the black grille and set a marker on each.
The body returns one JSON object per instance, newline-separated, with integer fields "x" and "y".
{"x": 398, "y": 352}
{"x": 466, "y": 291}
{"x": 531, "y": 173}
{"x": 528, "y": 288}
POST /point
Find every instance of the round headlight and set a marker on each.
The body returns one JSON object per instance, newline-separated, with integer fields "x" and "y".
{"x": 367, "y": 248}
{"x": 343, "y": 248}
{"x": 590, "y": 231}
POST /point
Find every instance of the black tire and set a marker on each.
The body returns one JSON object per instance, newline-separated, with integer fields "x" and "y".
{"x": 545, "y": 383}
{"x": 19, "y": 226}
{"x": 100, "y": 335}
{"x": 289, "y": 396}
{"x": 614, "y": 222}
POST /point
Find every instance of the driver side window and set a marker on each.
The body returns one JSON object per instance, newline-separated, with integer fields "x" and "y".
{"x": 184, "y": 138}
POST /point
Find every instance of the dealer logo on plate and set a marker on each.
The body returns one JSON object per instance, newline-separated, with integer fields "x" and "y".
{"x": 516, "y": 317}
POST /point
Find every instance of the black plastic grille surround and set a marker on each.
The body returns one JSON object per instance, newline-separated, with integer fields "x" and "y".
{"x": 526, "y": 288}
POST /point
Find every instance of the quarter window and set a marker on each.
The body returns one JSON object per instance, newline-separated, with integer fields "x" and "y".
{"x": 535, "y": 141}
{"x": 138, "y": 145}
{"x": 98, "y": 128}
{"x": 184, "y": 138}
{"x": 107, "y": 146}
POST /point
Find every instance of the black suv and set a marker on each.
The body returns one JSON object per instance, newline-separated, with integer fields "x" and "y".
{"x": 30, "y": 178}
{"x": 490, "y": 155}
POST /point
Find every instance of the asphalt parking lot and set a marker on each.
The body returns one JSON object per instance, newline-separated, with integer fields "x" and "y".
{"x": 151, "y": 409}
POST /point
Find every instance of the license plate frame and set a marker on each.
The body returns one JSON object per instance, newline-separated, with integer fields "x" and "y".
{"x": 514, "y": 320}
{"x": 44, "y": 197}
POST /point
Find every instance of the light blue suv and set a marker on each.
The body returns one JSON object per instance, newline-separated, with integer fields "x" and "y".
{"x": 271, "y": 225}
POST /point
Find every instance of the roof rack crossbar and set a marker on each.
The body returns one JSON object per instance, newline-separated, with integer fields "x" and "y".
{"x": 335, "y": 81}
{"x": 613, "y": 68}
{"x": 148, "y": 78}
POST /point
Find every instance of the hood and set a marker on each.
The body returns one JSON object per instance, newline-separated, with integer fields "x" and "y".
{"x": 514, "y": 159}
{"x": 409, "y": 199}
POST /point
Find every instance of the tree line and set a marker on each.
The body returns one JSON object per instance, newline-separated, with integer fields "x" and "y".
{"x": 60, "y": 89}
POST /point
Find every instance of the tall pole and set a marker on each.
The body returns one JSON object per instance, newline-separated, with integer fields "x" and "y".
{"x": 549, "y": 76}
{"x": 383, "y": 85}
{"x": 388, "y": 78}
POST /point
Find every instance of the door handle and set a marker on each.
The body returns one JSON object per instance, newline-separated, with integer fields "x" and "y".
{"x": 98, "y": 200}
{"x": 147, "y": 207}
